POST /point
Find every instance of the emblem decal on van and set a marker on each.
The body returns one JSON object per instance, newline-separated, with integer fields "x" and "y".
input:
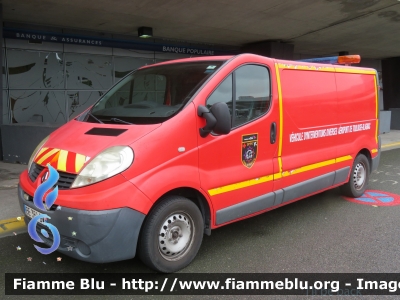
{"x": 48, "y": 181}
{"x": 249, "y": 149}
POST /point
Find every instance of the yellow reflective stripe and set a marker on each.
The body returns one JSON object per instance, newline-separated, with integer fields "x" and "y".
{"x": 355, "y": 71}
{"x": 243, "y": 184}
{"x": 295, "y": 66}
{"x": 79, "y": 162}
{"x": 344, "y": 158}
{"x": 280, "y": 164}
{"x": 374, "y": 150}
{"x": 377, "y": 109}
{"x": 278, "y": 80}
{"x": 41, "y": 151}
{"x": 62, "y": 161}
{"x": 239, "y": 185}
{"x": 309, "y": 167}
{"x": 55, "y": 158}
{"x": 47, "y": 155}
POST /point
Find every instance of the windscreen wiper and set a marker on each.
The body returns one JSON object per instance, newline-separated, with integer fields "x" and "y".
{"x": 120, "y": 121}
{"x": 95, "y": 118}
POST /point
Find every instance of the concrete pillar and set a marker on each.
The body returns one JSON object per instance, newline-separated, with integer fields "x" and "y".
{"x": 270, "y": 49}
{"x": 391, "y": 89}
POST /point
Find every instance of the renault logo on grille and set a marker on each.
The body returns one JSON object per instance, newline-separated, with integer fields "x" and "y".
{"x": 45, "y": 176}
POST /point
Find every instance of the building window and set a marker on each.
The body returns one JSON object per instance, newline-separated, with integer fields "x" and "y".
{"x": 35, "y": 70}
{"x": 54, "y": 86}
{"x": 38, "y": 106}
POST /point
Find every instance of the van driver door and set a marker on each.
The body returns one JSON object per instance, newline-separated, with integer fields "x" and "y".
{"x": 236, "y": 170}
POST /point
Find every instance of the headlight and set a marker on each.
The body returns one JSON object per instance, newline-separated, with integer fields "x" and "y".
{"x": 38, "y": 147}
{"x": 108, "y": 163}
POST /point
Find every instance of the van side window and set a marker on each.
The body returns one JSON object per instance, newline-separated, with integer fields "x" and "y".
{"x": 223, "y": 93}
{"x": 252, "y": 95}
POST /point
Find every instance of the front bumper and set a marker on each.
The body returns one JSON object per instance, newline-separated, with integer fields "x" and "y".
{"x": 93, "y": 236}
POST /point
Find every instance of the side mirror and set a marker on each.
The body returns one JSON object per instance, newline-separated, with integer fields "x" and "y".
{"x": 218, "y": 119}
{"x": 211, "y": 121}
{"x": 220, "y": 110}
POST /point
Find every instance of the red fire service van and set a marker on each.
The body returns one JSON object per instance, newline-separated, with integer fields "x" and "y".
{"x": 178, "y": 148}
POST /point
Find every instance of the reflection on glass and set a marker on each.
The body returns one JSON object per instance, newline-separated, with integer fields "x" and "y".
{"x": 154, "y": 94}
{"x": 80, "y": 101}
{"x": 35, "y": 70}
{"x": 124, "y": 65}
{"x": 6, "y": 119}
{"x": 4, "y": 69}
{"x": 37, "y": 106}
{"x": 88, "y": 72}
{"x": 161, "y": 60}
{"x": 223, "y": 93}
{"x": 252, "y": 93}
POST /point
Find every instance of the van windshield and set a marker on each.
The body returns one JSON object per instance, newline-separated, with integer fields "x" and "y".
{"x": 152, "y": 95}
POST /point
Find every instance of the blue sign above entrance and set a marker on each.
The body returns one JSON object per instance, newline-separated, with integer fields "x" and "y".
{"x": 39, "y": 36}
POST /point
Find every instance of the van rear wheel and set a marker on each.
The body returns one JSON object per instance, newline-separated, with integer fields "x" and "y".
{"x": 171, "y": 235}
{"x": 359, "y": 177}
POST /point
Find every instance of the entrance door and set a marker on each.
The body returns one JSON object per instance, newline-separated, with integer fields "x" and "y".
{"x": 237, "y": 169}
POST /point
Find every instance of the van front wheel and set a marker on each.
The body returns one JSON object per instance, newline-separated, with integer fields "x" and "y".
{"x": 359, "y": 177}
{"x": 171, "y": 234}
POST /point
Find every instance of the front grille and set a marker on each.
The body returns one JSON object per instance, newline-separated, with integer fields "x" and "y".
{"x": 64, "y": 182}
{"x": 35, "y": 171}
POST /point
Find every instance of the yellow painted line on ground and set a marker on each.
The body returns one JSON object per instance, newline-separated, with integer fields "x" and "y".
{"x": 10, "y": 226}
{"x": 390, "y": 145}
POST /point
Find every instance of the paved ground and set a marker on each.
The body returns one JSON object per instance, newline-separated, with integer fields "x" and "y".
{"x": 391, "y": 140}
{"x": 323, "y": 233}
{"x": 9, "y": 174}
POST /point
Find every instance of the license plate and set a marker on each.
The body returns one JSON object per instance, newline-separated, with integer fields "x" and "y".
{"x": 31, "y": 213}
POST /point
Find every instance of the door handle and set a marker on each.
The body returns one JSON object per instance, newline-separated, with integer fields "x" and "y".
{"x": 272, "y": 134}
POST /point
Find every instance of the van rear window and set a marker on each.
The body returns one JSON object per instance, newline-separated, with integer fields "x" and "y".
{"x": 154, "y": 94}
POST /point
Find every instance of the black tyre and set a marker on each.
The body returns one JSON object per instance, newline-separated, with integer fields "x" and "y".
{"x": 171, "y": 235}
{"x": 359, "y": 177}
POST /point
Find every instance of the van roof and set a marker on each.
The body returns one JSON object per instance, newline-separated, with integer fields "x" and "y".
{"x": 191, "y": 59}
{"x": 287, "y": 64}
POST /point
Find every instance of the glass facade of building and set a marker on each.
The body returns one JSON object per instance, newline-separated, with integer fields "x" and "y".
{"x": 53, "y": 83}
